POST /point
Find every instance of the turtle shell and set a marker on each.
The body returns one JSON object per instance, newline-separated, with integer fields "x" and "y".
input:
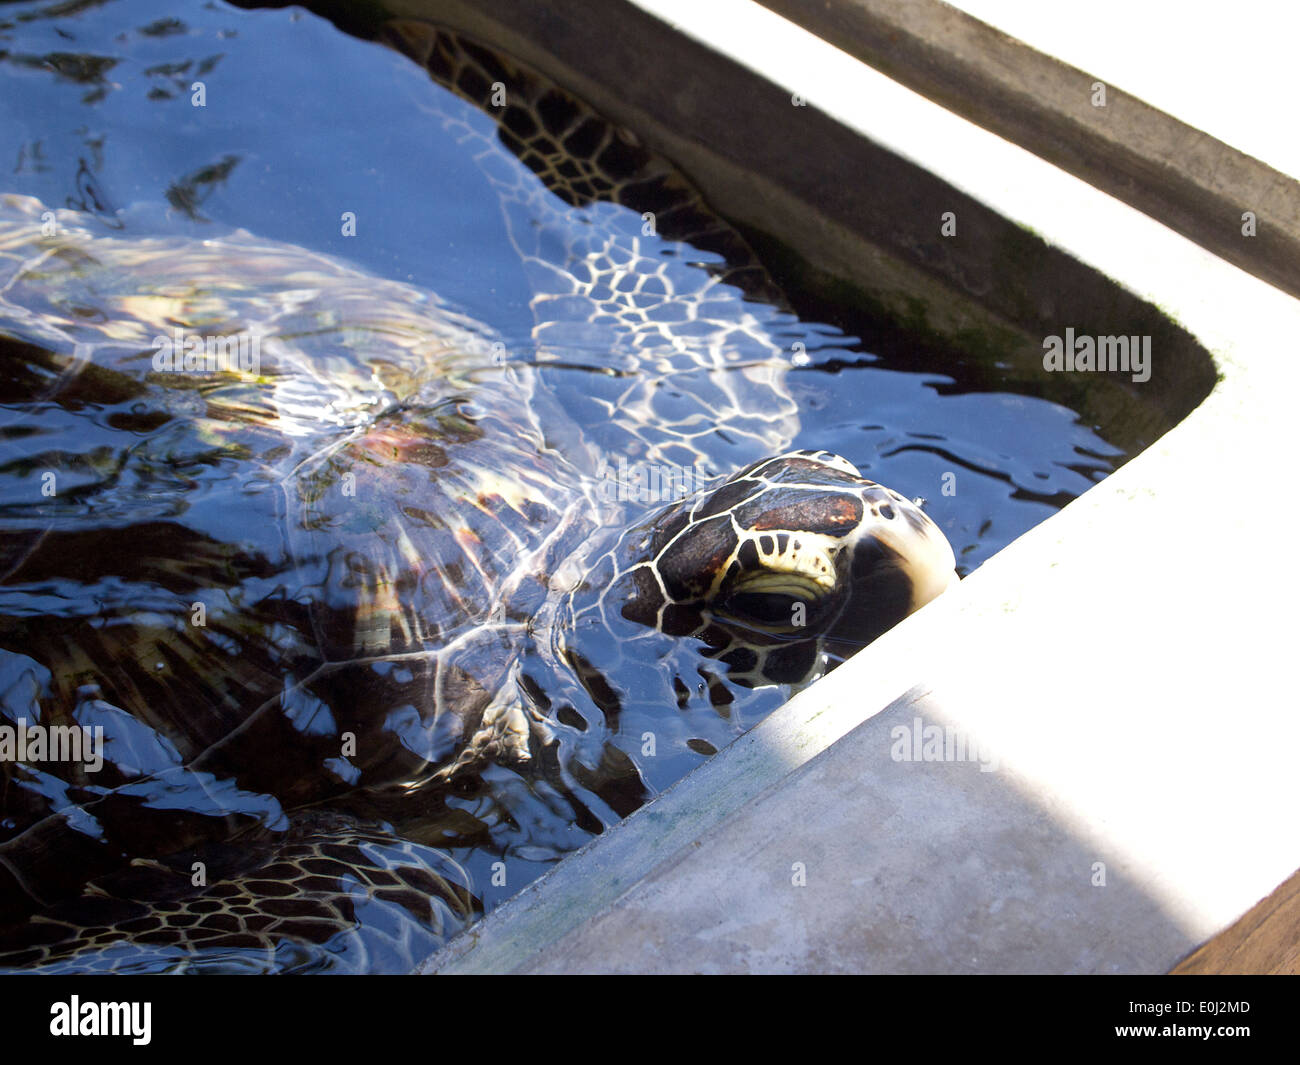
{"x": 268, "y": 579}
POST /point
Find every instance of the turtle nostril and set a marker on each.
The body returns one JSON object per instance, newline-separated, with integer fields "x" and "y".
{"x": 887, "y": 512}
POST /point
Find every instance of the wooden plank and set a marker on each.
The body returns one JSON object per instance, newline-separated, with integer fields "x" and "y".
{"x": 1265, "y": 941}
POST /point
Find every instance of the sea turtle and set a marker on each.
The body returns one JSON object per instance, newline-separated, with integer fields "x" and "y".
{"x": 353, "y": 550}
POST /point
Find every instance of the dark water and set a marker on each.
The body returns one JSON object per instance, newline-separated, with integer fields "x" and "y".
{"x": 303, "y": 123}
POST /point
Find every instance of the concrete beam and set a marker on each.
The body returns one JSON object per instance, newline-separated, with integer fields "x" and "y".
{"x": 1193, "y": 183}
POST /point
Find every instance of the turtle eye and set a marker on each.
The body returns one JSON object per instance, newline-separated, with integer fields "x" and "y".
{"x": 766, "y": 608}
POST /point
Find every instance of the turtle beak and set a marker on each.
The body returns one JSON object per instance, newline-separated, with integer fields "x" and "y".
{"x": 801, "y": 566}
{"x": 924, "y": 555}
{"x": 898, "y": 562}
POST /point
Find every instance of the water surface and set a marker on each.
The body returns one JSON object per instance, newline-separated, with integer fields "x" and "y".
{"x": 303, "y": 124}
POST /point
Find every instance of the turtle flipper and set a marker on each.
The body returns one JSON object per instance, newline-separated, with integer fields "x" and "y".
{"x": 331, "y": 894}
{"x": 510, "y": 731}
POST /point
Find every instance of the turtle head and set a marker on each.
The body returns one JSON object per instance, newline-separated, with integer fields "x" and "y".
{"x": 791, "y": 559}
